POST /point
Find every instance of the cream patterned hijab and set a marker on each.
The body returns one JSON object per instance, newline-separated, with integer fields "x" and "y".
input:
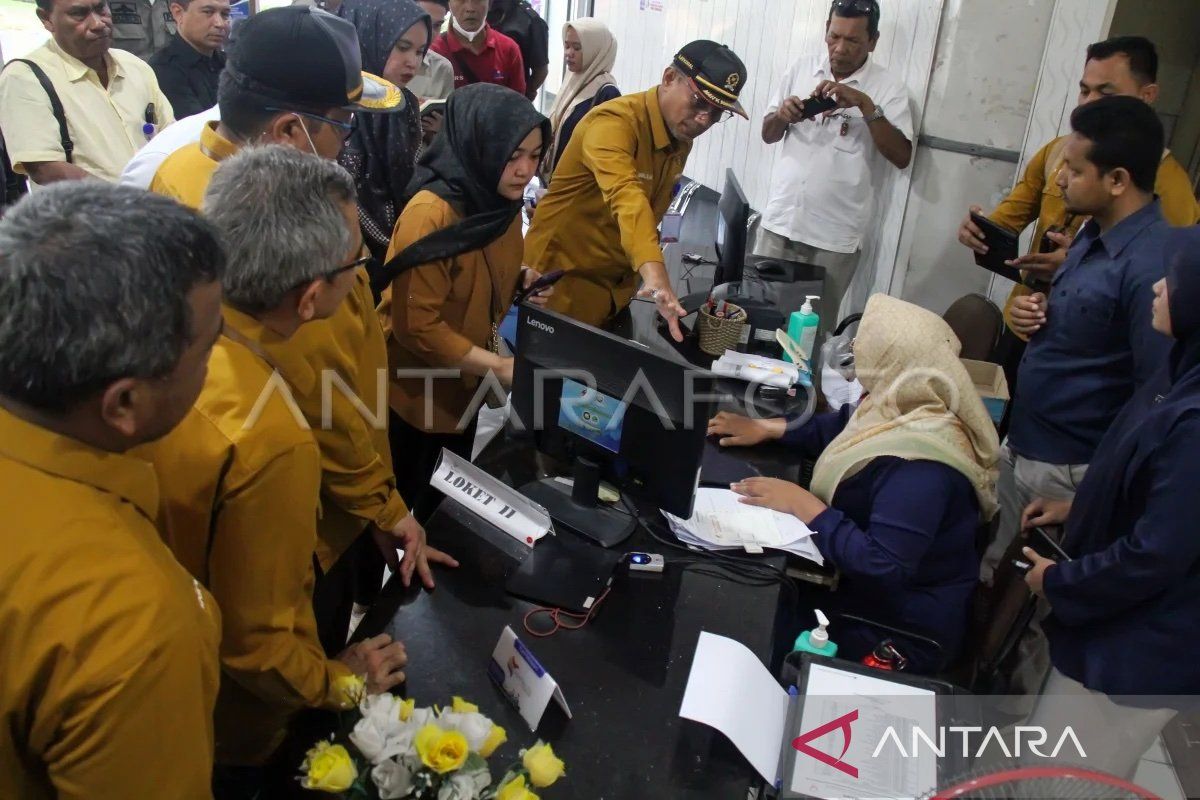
{"x": 921, "y": 406}
{"x": 598, "y": 49}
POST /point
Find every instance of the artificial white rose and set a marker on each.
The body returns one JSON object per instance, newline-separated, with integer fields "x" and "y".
{"x": 393, "y": 778}
{"x": 465, "y": 785}
{"x": 371, "y": 739}
{"x": 472, "y": 725}
{"x": 422, "y": 717}
{"x": 383, "y": 709}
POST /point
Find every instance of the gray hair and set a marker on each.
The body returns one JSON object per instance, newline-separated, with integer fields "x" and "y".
{"x": 94, "y": 284}
{"x": 280, "y": 213}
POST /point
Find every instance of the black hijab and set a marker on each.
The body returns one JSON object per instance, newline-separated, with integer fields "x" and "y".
{"x": 1150, "y": 416}
{"x": 484, "y": 124}
{"x": 382, "y": 153}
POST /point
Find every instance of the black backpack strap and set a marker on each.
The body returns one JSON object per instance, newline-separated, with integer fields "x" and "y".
{"x": 56, "y": 106}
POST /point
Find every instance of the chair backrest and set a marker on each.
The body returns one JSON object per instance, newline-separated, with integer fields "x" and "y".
{"x": 978, "y": 324}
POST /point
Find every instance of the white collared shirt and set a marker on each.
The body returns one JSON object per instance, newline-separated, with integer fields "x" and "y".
{"x": 141, "y": 168}
{"x": 824, "y": 183}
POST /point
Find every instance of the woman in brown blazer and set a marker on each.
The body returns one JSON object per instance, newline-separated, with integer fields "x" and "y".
{"x": 456, "y": 256}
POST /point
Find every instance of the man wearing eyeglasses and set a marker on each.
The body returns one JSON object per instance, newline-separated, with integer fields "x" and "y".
{"x": 615, "y": 180}
{"x": 309, "y": 102}
{"x": 830, "y": 167}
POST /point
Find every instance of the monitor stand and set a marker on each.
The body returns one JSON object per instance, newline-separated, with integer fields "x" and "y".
{"x": 578, "y": 508}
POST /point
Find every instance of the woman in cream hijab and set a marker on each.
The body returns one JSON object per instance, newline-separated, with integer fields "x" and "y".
{"x": 900, "y": 488}
{"x": 590, "y": 53}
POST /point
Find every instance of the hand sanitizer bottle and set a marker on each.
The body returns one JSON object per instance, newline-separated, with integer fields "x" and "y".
{"x": 817, "y": 640}
{"x": 802, "y": 327}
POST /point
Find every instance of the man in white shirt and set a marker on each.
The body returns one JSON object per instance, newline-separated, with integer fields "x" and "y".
{"x": 179, "y": 134}
{"x": 832, "y": 165}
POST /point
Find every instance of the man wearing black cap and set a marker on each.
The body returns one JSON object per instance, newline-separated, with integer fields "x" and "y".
{"x": 614, "y": 182}
{"x": 306, "y": 98}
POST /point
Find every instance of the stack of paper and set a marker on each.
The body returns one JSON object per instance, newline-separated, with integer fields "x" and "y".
{"x": 756, "y": 369}
{"x": 720, "y": 522}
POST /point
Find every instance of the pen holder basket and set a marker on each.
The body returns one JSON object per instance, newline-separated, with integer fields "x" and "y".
{"x": 718, "y": 334}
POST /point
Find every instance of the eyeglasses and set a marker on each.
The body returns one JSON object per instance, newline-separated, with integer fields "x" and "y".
{"x": 347, "y": 128}
{"x": 355, "y": 264}
{"x": 331, "y": 276}
{"x": 702, "y": 107}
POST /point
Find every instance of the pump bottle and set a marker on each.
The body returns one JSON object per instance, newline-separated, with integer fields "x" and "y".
{"x": 802, "y": 327}
{"x": 817, "y": 640}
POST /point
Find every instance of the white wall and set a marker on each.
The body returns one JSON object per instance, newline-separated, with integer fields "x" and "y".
{"x": 986, "y": 67}
{"x": 769, "y": 35}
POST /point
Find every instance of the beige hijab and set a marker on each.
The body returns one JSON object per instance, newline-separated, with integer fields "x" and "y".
{"x": 598, "y": 51}
{"x": 921, "y": 404}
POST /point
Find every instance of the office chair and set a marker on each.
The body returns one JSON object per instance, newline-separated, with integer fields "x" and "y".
{"x": 978, "y": 324}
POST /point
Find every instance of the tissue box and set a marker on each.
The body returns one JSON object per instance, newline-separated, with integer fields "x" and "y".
{"x": 991, "y": 384}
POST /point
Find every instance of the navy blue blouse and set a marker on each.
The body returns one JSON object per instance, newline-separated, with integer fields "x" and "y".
{"x": 903, "y": 535}
{"x": 606, "y": 93}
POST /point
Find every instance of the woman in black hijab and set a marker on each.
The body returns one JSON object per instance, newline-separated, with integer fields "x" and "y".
{"x": 1125, "y": 609}
{"x": 393, "y": 36}
{"x": 455, "y": 263}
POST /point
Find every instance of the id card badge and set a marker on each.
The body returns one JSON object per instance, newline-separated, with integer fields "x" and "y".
{"x": 668, "y": 231}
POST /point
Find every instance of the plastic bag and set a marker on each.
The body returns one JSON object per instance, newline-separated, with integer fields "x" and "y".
{"x": 839, "y": 383}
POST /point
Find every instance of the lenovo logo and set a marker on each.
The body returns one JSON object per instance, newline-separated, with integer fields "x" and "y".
{"x": 537, "y": 323}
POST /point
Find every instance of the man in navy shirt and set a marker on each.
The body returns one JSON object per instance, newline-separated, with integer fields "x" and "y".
{"x": 1091, "y": 342}
{"x": 1091, "y": 339}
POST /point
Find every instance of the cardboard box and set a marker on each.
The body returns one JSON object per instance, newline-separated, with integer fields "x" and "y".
{"x": 991, "y": 384}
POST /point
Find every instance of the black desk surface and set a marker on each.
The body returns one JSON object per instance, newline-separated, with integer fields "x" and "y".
{"x": 623, "y": 675}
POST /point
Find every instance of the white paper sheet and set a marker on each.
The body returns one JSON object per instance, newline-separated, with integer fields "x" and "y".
{"x": 501, "y": 505}
{"x": 720, "y": 522}
{"x": 880, "y": 704}
{"x": 729, "y": 689}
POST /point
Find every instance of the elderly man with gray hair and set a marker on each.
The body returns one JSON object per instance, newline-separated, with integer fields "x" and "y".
{"x": 109, "y": 648}
{"x": 290, "y": 225}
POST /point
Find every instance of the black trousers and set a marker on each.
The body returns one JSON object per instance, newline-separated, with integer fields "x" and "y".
{"x": 415, "y": 455}
{"x": 356, "y": 577}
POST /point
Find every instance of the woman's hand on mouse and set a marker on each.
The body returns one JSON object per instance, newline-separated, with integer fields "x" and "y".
{"x": 780, "y": 495}
{"x": 735, "y": 430}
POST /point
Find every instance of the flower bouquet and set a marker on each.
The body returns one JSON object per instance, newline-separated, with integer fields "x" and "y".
{"x": 393, "y": 749}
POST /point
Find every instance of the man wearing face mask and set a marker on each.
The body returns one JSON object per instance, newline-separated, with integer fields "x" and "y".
{"x": 308, "y": 102}
{"x": 599, "y": 222}
{"x": 478, "y": 52}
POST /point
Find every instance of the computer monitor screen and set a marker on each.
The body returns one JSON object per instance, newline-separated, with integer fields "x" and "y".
{"x": 733, "y": 217}
{"x": 591, "y": 414}
{"x": 610, "y": 409}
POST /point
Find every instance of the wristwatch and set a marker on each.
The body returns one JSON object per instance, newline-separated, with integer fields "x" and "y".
{"x": 878, "y": 115}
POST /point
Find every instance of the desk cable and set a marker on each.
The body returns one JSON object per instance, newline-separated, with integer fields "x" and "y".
{"x": 576, "y": 622}
{"x": 714, "y": 564}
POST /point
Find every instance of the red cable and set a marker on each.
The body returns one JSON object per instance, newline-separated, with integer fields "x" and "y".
{"x": 556, "y": 615}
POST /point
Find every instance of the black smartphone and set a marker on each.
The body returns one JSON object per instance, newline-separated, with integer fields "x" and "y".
{"x": 547, "y": 280}
{"x": 812, "y": 106}
{"x": 1002, "y": 247}
{"x": 1046, "y": 546}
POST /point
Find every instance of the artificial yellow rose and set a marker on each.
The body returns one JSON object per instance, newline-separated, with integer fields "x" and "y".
{"x": 515, "y": 790}
{"x": 460, "y": 706}
{"x": 496, "y": 737}
{"x": 406, "y": 709}
{"x": 544, "y": 767}
{"x": 329, "y": 769}
{"x": 441, "y": 750}
{"x": 349, "y": 690}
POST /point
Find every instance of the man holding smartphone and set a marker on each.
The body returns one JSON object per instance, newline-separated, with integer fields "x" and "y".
{"x": 831, "y": 166}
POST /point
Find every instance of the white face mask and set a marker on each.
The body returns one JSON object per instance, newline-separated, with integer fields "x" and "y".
{"x": 304, "y": 128}
{"x": 470, "y": 36}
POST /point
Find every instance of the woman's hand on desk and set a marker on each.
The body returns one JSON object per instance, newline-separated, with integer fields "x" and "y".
{"x": 735, "y": 430}
{"x": 779, "y": 495}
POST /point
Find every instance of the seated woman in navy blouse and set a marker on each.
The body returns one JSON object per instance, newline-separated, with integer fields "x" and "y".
{"x": 900, "y": 488}
{"x": 590, "y": 51}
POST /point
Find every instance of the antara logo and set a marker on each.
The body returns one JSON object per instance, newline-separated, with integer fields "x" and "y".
{"x": 842, "y": 723}
{"x": 537, "y": 323}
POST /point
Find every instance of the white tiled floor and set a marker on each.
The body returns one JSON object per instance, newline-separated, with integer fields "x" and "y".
{"x": 1156, "y": 774}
